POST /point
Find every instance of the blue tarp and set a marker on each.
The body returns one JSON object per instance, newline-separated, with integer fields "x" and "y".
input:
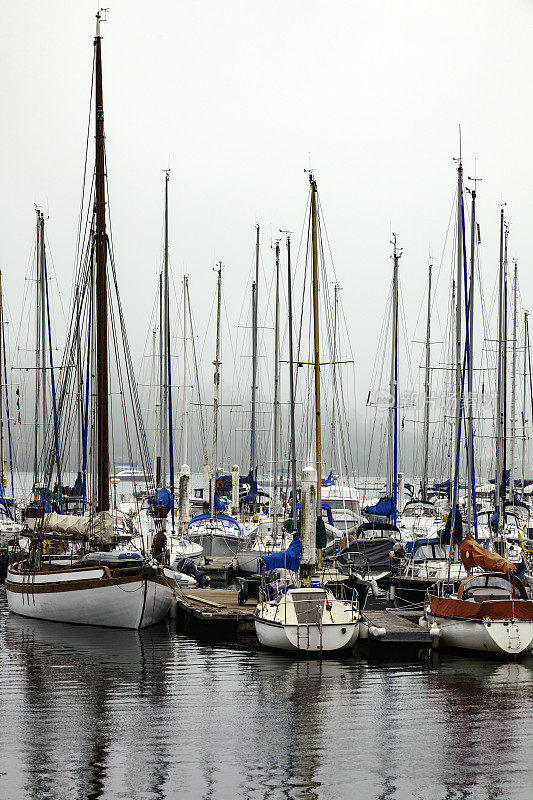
{"x": 329, "y": 481}
{"x": 288, "y": 559}
{"x": 220, "y": 517}
{"x": 162, "y": 498}
{"x": 252, "y": 494}
{"x": 219, "y": 505}
{"x": 383, "y": 508}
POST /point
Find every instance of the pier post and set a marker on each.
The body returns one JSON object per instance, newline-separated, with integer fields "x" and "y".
{"x": 235, "y": 489}
{"x": 401, "y": 492}
{"x": 185, "y": 475}
{"x": 207, "y": 484}
{"x": 308, "y": 521}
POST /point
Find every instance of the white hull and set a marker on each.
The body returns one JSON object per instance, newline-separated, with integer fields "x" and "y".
{"x": 307, "y": 638}
{"x": 510, "y": 637}
{"x": 123, "y": 603}
{"x": 308, "y": 619}
{"x": 247, "y": 561}
{"x": 216, "y": 544}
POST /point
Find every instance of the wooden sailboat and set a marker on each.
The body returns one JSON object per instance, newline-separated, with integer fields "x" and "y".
{"x": 91, "y": 592}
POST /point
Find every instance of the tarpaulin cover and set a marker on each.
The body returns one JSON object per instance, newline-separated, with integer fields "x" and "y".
{"x": 252, "y": 494}
{"x": 373, "y": 553}
{"x": 288, "y": 559}
{"x": 491, "y": 609}
{"x": 162, "y": 498}
{"x": 329, "y": 481}
{"x": 474, "y": 554}
{"x": 99, "y": 526}
{"x": 383, "y": 508}
{"x": 217, "y": 517}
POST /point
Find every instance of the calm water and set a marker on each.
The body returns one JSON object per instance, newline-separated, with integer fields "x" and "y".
{"x": 92, "y": 713}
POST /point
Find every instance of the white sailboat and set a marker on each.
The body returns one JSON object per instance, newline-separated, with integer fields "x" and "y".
{"x": 303, "y": 615}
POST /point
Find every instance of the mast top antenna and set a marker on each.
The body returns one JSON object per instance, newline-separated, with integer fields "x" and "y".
{"x": 100, "y": 19}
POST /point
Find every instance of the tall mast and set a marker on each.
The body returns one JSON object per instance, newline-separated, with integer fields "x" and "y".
{"x": 334, "y": 372}
{"x": 102, "y": 377}
{"x": 504, "y": 370}
{"x": 524, "y": 414}
{"x": 255, "y": 285}
{"x": 424, "y": 486}
{"x": 393, "y": 386}
{"x": 216, "y": 381}
{"x": 185, "y": 405}
{"x": 291, "y": 386}
{"x": 165, "y": 345}
{"x": 470, "y": 408}
{"x": 38, "y": 260}
{"x": 316, "y": 343}
{"x": 513, "y": 388}
{"x": 499, "y": 413}
{"x": 276, "y": 398}
{"x": 156, "y": 405}
{"x": 458, "y": 306}
{"x": 2, "y": 379}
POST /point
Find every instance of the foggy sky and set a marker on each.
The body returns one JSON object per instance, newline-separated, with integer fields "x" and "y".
{"x": 238, "y": 98}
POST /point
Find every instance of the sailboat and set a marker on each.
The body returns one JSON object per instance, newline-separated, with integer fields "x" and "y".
{"x": 301, "y": 613}
{"x": 218, "y": 533}
{"x": 490, "y": 612}
{"x": 104, "y": 594}
{"x": 156, "y": 515}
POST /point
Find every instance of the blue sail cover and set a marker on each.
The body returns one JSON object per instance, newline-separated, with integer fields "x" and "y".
{"x": 383, "y": 508}
{"x": 288, "y": 559}
{"x": 219, "y": 505}
{"x": 329, "y": 481}
{"x": 218, "y": 517}
{"x": 163, "y": 499}
{"x": 252, "y": 494}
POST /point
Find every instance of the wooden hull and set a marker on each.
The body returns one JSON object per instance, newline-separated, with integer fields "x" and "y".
{"x": 91, "y": 596}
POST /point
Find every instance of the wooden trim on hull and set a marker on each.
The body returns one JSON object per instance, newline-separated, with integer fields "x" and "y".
{"x": 74, "y": 586}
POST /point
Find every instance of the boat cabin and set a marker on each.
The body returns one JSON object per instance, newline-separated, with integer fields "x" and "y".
{"x": 491, "y": 586}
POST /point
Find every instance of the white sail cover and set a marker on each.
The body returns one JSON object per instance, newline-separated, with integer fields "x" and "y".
{"x": 98, "y": 526}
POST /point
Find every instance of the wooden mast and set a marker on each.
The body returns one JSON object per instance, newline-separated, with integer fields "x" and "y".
{"x": 316, "y": 342}
{"x": 102, "y": 377}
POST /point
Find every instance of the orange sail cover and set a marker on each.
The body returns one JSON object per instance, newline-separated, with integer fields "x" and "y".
{"x": 474, "y": 554}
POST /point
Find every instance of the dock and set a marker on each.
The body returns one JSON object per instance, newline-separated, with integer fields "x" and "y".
{"x": 397, "y": 632}
{"x": 215, "y": 615}
{"x": 220, "y": 570}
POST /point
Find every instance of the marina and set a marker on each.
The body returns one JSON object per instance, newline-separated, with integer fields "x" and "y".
{"x": 266, "y": 403}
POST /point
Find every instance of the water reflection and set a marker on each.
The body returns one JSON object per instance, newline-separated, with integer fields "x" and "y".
{"x": 96, "y": 713}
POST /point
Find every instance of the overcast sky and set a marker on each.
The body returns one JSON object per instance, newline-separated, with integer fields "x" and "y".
{"x": 238, "y": 98}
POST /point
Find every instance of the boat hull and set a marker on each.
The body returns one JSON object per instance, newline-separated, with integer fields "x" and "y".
{"x": 216, "y": 545}
{"x": 92, "y": 596}
{"x": 509, "y": 637}
{"x": 307, "y": 638}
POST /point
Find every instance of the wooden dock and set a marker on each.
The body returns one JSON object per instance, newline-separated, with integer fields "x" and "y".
{"x": 397, "y": 632}
{"x": 214, "y": 615}
{"x": 220, "y": 570}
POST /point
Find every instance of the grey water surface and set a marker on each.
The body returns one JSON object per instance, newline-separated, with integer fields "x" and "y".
{"x": 99, "y": 713}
